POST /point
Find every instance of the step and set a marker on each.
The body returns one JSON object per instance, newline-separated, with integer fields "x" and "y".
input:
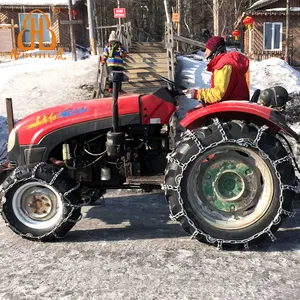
{"x": 146, "y": 50}
{"x": 136, "y": 56}
{"x": 158, "y": 70}
{"x": 134, "y": 66}
{"x": 148, "y": 60}
{"x": 147, "y": 180}
{"x": 142, "y": 84}
{"x": 146, "y": 76}
{"x": 146, "y": 44}
{"x": 147, "y": 89}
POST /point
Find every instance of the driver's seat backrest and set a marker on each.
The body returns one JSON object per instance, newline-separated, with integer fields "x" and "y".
{"x": 255, "y": 96}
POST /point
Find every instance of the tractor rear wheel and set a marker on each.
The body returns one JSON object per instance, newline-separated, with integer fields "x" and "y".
{"x": 230, "y": 184}
{"x": 40, "y": 202}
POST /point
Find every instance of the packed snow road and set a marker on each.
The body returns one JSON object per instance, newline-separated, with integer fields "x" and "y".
{"x": 129, "y": 249}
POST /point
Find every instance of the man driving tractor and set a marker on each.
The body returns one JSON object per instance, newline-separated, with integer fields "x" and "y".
{"x": 230, "y": 74}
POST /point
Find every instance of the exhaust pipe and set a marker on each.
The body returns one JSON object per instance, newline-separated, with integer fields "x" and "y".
{"x": 115, "y": 140}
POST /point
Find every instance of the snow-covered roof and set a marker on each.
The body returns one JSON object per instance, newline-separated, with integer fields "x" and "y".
{"x": 35, "y": 2}
{"x": 260, "y": 3}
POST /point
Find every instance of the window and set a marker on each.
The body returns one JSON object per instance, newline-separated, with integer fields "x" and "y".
{"x": 272, "y": 36}
{"x": 36, "y": 17}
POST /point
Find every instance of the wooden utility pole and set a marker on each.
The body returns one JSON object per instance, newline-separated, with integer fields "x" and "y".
{"x": 91, "y": 27}
{"x": 120, "y": 25}
{"x": 180, "y": 21}
{"x": 180, "y": 15}
{"x": 216, "y": 16}
{"x": 72, "y": 32}
{"x": 287, "y": 34}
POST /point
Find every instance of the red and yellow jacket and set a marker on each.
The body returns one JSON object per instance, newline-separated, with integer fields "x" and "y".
{"x": 230, "y": 79}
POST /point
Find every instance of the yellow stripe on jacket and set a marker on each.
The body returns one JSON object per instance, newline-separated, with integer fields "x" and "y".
{"x": 221, "y": 82}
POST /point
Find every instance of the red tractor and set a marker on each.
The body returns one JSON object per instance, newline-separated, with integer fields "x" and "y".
{"x": 228, "y": 180}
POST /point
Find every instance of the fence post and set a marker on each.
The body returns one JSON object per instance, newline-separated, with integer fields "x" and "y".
{"x": 169, "y": 39}
{"x": 10, "y": 114}
{"x": 129, "y": 34}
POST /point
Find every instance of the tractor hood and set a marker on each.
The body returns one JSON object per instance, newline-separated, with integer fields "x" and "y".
{"x": 34, "y": 127}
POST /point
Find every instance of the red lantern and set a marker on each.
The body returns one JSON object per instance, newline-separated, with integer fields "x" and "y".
{"x": 236, "y": 33}
{"x": 248, "y": 21}
{"x": 74, "y": 14}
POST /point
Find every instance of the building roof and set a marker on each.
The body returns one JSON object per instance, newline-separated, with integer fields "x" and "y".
{"x": 35, "y": 2}
{"x": 259, "y": 4}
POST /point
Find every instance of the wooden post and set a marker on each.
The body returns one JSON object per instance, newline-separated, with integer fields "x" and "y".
{"x": 216, "y": 16}
{"x": 180, "y": 15}
{"x": 72, "y": 32}
{"x": 13, "y": 34}
{"x": 91, "y": 27}
{"x": 287, "y": 39}
{"x": 10, "y": 114}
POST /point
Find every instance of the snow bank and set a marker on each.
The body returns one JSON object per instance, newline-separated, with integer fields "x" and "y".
{"x": 267, "y": 73}
{"x": 37, "y": 83}
{"x": 274, "y": 71}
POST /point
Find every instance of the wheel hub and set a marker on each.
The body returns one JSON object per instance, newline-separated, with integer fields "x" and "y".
{"x": 229, "y": 183}
{"x": 39, "y": 206}
{"x": 229, "y": 186}
{"x": 38, "y": 203}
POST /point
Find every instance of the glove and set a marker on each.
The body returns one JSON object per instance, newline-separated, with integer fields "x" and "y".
{"x": 190, "y": 93}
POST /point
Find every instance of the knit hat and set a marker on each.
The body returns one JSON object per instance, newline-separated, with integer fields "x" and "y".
{"x": 112, "y": 37}
{"x": 215, "y": 42}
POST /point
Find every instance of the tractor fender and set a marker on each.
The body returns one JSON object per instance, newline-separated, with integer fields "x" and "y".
{"x": 238, "y": 110}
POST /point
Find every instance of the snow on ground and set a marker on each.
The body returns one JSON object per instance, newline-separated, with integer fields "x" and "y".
{"x": 37, "y": 83}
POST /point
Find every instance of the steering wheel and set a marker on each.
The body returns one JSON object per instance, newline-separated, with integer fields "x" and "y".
{"x": 172, "y": 84}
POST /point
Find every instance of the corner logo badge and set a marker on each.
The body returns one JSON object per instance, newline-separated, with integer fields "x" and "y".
{"x": 39, "y": 32}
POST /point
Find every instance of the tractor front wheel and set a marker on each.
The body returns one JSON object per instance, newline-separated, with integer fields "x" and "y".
{"x": 230, "y": 184}
{"x": 40, "y": 202}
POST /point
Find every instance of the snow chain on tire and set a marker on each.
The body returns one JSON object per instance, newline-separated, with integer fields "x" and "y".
{"x": 244, "y": 142}
{"x": 67, "y": 203}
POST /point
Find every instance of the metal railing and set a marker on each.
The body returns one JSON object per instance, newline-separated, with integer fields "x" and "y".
{"x": 124, "y": 32}
{"x": 101, "y": 80}
{"x": 170, "y": 39}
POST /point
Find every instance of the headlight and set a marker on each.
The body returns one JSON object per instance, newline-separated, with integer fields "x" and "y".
{"x": 11, "y": 140}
